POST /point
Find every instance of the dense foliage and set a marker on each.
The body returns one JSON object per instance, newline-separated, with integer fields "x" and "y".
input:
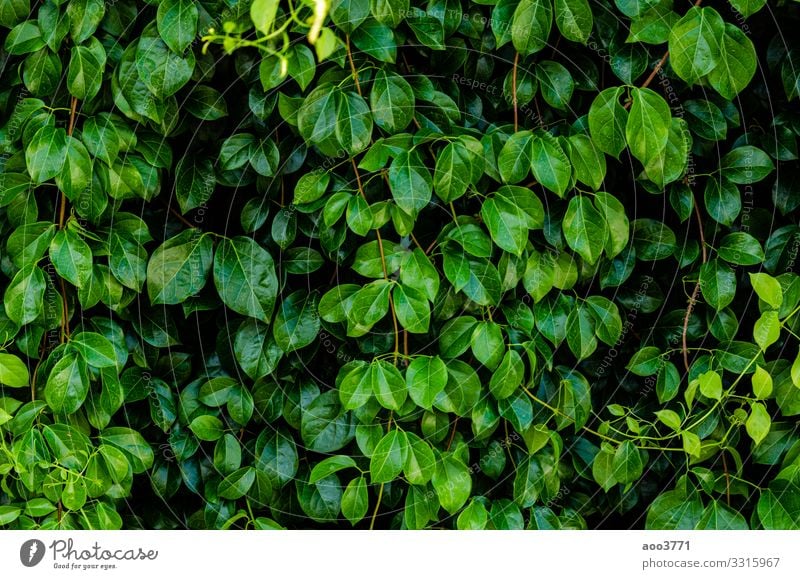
{"x": 443, "y": 263}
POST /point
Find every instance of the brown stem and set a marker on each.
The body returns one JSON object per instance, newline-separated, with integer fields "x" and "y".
{"x": 383, "y": 265}
{"x": 178, "y": 216}
{"x": 514, "y": 91}
{"x": 452, "y": 434}
{"x": 658, "y": 66}
{"x": 727, "y": 479}
{"x": 62, "y": 219}
{"x": 696, "y": 291}
{"x": 352, "y": 64}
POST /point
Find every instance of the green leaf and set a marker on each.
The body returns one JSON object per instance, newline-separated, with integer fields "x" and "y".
{"x": 67, "y": 385}
{"x": 194, "y": 183}
{"x": 608, "y": 121}
{"x": 762, "y": 383}
{"x": 411, "y": 182}
{"x": 452, "y": 483}
{"x": 627, "y": 463}
{"x": 46, "y": 153}
{"x": 758, "y": 424}
{"x": 421, "y": 462}
{"x": 508, "y": 376}
{"x": 722, "y": 200}
{"x": 235, "y": 485}
{"x": 177, "y": 23}
{"x": 329, "y": 466}
{"x": 426, "y": 377}
{"x": 748, "y": 7}
{"x": 244, "y": 275}
{"x": 179, "y": 268}
{"x": 574, "y": 19}
{"x": 95, "y": 349}
{"x": 740, "y": 248}
{"x": 452, "y": 178}
{"x": 84, "y": 18}
{"x": 488, "y": 344}
{"x": 262, "y": 13}
{"x": 76, "y": 176}
{"x": 588, "y": 161}
{"x": 718, "y": 284}
{"x": 86, "y": 66}
{"x": 585, "y": 229}
{"x": 530, "y": 25}
{"x": 417, "y": 271}
{"x": 549, "y": 163}
{"x": 473, "y": 518}
{"x": 71, "y": 257}
{"x": 24, "y": 296}
{"x": 514, "y": 161}
{"x": 767, "y": 288}
{"x": 13, "y": 371}
{"x": 355, "y": 500}
{"x": 506, "y": 223}
{"x": 391, "y": 101}
{"x": 556, "y": 83}
{"x": 161, "y": 70}
{"x": 645, "y": 362}
{"x": 695, "y": 43}
{"x": 720, "y": 517}
{"x": 711, "y": 385}
{"x": 746, "y": 165}
{"x": 647, "y": 129}
{"x": 412, "y": 309}
{"x": 389, "y": 12}
{"x": 670, "y": 418}
{"x": 389, "y": 456}
{"x": 24, "y": 38}
{"x": 353, "y": 122}
{"x": 388, "y": 385}
{"x": 580, "y": 332}
{"x": 207, "y": 427}
{"x": 767, "y": 329}
{"x": 297, "y": 322}
{"x": 674, "y": 510}
{"x": 737, "y": 64}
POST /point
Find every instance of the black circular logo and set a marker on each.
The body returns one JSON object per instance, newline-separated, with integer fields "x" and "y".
{"x": 32, "y": 552}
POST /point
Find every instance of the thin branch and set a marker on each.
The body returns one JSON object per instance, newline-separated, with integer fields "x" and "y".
{"x": 696, "y": 291}
{"x": 377, "y": 506}
{"x": 352, "y": 64}
{"x": 383, "y": 265}
{"x": 658, "y": 66}
{"x": 514, "y": 91}
{"x": 452, "y": 434}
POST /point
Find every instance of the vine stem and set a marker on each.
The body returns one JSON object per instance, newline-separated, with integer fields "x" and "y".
{"x": 658, "y": 66}
{"x": 452, "y": 434}
{"x": 352, "y": 64}
{"x": 178, "y": 216}
{"x": 377, "y": 507}
{"x": 377, "y": 233}
{"x": 383, "y": 265}
{"x": 555, "y": 410}
{"x": 62, "y": 218}
{"x": 514, "y": 91}
{"x": 696, "y": 291}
